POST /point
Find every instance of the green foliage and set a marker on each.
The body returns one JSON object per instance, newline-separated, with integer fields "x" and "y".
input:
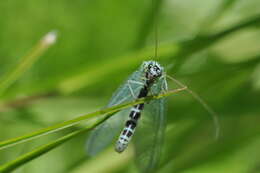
{"x": 212, "y": 46}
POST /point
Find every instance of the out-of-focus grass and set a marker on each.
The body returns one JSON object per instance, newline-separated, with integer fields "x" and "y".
{"x": 100, "y": 43}
{"x": 26, "y": 62}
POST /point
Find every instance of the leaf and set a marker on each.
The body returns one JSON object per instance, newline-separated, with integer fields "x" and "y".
{"x": 21, "y": 160}
{"x": 75, "y": 121}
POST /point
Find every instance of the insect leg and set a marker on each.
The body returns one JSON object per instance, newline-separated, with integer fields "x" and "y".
{"x": 164, "y": 84}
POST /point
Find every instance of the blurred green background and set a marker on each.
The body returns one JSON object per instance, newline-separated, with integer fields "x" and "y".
{"x": 211, "y": 46}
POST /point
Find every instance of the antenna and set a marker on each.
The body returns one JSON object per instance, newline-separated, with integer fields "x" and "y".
{"x": 155, "y": 31}
{"x": 156, "y": 39}
{"x": 212, "y": 113}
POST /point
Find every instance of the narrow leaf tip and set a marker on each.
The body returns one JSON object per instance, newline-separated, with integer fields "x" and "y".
{"x": 50, "y": 38}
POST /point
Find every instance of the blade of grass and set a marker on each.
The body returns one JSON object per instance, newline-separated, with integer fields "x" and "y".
{"x": 25, "y": 158}
{"x": 216, "y": 14}
{"x": 26, "y": 62}
{"x": 92, "y": 75}
{"x": 202, "y": 42}
{"x": 179, "y": 51}
{"x": 20, "y": 102}
{"x": 75, "y": 121}
{"x": 21, "y": 160}
{"x": 250, "y": 63}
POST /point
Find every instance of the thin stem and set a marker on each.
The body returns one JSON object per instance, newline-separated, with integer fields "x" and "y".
{"x": 75, "y": 121}
{"x": 21, "y": 160}
{"x": 26, "y": 62}
{"x": 13, "y": 104}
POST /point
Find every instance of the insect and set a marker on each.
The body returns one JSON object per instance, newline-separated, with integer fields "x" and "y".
{"x": 152, "y": 71}
{"x": 150, "y": 78}
{"x": 146, "y": 121}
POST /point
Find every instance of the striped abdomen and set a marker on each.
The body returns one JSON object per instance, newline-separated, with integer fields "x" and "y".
{"x": 152, "y": 71}
{"x": 131, "y": 123}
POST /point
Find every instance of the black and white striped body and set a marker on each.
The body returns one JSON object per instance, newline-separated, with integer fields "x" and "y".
{"x": 152, "y": 71}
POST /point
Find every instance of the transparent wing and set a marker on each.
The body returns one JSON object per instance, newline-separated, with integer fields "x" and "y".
{"x": 105, "y": 133}
{"x": 150, "y": 133}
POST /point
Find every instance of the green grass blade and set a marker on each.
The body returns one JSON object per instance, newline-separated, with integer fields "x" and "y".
{"x": 177, "y": 50}
{"x": 92, "y": 75}
{"x": 10, "y": 166}
{"x": 216, "y": 14}
{"x": 26, "y": 62}
{"x": 75, "y": 121}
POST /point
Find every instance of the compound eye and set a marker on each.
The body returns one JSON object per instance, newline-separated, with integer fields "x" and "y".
{"x": 157, "y": 69}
